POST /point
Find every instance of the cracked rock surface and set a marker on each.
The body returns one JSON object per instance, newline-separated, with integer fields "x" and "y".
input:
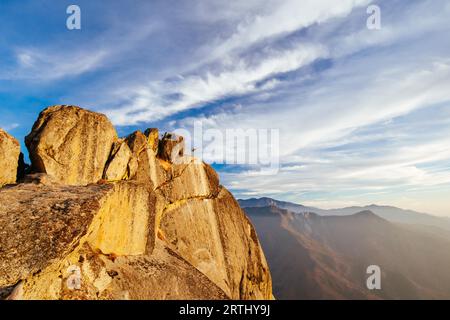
{"x": 106, "y": 218}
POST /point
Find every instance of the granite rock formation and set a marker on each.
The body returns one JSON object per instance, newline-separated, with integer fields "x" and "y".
{"x": 71, "y": 144}
{"x": 9, "y": 158}
{"x": 101, "y": 217}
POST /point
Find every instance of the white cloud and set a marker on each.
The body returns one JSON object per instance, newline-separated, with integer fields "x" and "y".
{"x": 315, "y": 122}
{"x": 8, "y": 127}
{"x": 33, "y": 64}
{"x": 285, "y": 17}
{"x": 328, "y": 114}
{"x": 193, "y": 91}
{"x": 69, "y": 58}
{"x": 222, "y": 72}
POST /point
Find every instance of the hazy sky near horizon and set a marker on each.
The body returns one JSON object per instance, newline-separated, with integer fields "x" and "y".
{"x": 364, "y": 115}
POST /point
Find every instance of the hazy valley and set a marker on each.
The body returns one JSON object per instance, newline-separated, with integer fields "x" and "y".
{"x": 325, "y": 256}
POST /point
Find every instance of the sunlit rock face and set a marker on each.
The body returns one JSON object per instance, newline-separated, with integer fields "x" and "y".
{"x": 9, "y": 158}
{"x": 102, "y": 217}
{"x": 71, "y": 144}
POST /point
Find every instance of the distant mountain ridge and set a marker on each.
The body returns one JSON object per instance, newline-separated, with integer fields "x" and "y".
{"x": 268, "y": 202}
{"x": 326, "y": 257}
{"x": 389, "y": 213}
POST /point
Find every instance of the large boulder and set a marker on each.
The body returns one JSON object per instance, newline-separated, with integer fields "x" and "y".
{"x": 152, "y": 135}
{"x": 171, "y": 147}
{"x": 9, "y": 158}
{"x": 71, "y": 144}
{"x": 120, "y": 165}
{"x": 149, "y": 168}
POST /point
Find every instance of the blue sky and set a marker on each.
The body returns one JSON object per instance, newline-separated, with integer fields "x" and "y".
{"x": 364, "y": 115}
